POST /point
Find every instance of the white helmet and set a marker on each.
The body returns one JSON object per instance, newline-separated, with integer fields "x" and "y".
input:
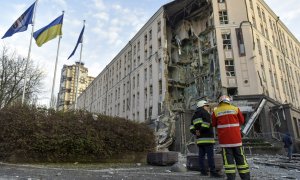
{"x": 202, "y": 103}
{"x": 225, "y": 99}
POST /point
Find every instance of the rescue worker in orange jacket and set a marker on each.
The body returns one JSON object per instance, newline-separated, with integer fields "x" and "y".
{"x": 228, "y": 119}
{"x": 202, "y": 129}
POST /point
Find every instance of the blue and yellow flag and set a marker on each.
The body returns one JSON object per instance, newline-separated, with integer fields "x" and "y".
{"x": 22, "y": 22}
{"x": 49, "y": 32}
{"x": 78, "y": 41}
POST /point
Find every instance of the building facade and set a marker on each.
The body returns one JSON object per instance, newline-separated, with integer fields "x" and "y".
{"x": 200, "y": 49}
{"x": 68, "y": 84}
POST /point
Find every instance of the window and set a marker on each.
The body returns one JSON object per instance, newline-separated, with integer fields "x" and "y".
{"x": 263, "y": 16}
{"x": 223, "y": 17}
{"x": 229, "y": 67}
{"x": 133, "y": 82}
{"x": 251, "y": 4}
{"x": 226, "y": 41}
{"x": 151, "y": 91}
{"x": 138, "y": 99}
{"x": 134, "y": 49}
{"x": 221, "y": 1}
{"x": 271, "y": 56}
{"x": 145, "y": 39}
{"x": 159, "y": 42}
{"x": 138, "y": 80}
{"x": 267, "y": 33}
{"x": 276, "y": 81}
{"x": 145, "y": 74}
{"x": 254, "y": 22}
{"x": 150, "y": 72}
{"x": 272, "y": 78}
{"x": 138, "y": 46}
{"x": 267, "y": 53}
{"x": 158, "y": 26}
{"x": 262, "y": 29}
{"x": 150, "y": 50}
{"x": 258, "y": 11}
{"x": 150, "y": 34}
{"x": 159, "y": 65}
{"x": 160, "y": 87}
{"x": 258, "y": 46}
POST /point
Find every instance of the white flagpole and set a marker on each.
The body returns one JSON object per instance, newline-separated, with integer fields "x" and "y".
{"x": 54, "y": 76}
{"x": 29, "y": 51}
{"x": 78, "y": 71}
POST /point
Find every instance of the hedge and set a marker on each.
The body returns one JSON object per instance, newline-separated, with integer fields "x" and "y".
{"x": 31, "y": 134}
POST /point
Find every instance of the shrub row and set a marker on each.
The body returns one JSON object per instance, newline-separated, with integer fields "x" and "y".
{"x": 30, "y": 134}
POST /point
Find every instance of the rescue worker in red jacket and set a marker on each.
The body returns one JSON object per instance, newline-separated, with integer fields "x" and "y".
{"x": 228, "y": 119}
{"x": 202, "y": 129}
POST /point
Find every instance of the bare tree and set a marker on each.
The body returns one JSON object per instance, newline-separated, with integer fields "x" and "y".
{"x": 12, "y": 74}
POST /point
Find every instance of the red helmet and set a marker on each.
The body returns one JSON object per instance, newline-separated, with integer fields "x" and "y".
{"x": 225, "y": 99}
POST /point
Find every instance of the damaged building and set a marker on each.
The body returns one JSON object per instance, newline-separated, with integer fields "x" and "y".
{"x": 199, "y": 49}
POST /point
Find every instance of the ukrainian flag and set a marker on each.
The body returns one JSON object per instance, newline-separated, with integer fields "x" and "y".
{"x": 49, "y": 32}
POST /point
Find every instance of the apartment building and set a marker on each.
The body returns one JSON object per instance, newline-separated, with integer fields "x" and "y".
{"x": 199, "y": 49}
{"x": 68, "y": 84}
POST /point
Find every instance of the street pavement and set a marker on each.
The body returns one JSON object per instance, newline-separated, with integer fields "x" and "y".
{"x": 261, "y": 167}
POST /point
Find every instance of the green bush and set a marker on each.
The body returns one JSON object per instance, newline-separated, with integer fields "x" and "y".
{"x": 30, "y": 134}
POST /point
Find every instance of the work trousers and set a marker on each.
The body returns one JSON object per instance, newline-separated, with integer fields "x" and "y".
{"x": 234, "y": 157}
{"x": 209, "y": 150}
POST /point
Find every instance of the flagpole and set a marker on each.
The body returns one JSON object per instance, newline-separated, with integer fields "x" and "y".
{"x": 54, "y": 76}
{"x": 28, "y": 56}
{"x": 78, "y": 69}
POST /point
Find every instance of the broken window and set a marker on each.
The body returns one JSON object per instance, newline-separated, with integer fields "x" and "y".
{"x": 229, "y": 67}
{"x": 223, "y": 17}
{"x": 226, "y": 41}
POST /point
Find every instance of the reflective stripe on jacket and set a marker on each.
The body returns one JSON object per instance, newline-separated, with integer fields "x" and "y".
{"x": 201, "y": 121}
{"x": 228, "y": 118}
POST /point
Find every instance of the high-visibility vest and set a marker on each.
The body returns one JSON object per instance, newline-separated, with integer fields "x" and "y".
{"x": 227, "y": 119}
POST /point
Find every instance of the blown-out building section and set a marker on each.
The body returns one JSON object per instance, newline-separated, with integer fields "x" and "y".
{"x": 199, "y": 49}
{"x": 68, "y": 84}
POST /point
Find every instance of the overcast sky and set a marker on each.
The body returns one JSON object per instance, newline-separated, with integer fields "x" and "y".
{"x": 110, "y": 24}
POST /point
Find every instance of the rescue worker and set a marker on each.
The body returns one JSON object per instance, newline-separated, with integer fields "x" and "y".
{"x": 228, "y": 119}
{"x": 202, "y": 129}
{"x": 288, "y": 144}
